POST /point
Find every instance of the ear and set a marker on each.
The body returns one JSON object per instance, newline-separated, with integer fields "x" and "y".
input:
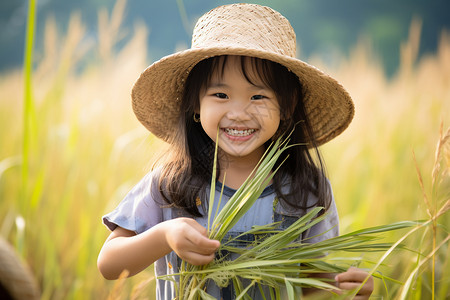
{"x": 197, "y": 107}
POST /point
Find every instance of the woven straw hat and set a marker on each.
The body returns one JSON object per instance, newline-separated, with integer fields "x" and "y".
{"x": 247, "y": 30}
{"x": 16, "y": 280}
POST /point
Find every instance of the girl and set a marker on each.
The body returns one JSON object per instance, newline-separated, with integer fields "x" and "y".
{"x": 240, "y": 76}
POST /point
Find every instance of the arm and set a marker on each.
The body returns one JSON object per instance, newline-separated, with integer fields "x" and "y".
{"x": 126, "y": 250}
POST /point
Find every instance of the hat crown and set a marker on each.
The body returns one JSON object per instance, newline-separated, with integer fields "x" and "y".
{"x": 237, "y": 26}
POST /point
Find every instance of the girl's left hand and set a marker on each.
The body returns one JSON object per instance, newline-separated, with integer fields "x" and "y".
{"x": 352, "y": 279}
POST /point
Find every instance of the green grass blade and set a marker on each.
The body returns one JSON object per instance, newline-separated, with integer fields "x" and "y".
{"x": 204, "y": 295}
{"x": 28, "y": 109}
{"x": 243, "y": 293}
{"x": 289, "y": 289}
{"x": 247, "y": 194}
{"x": 213, "y": 182}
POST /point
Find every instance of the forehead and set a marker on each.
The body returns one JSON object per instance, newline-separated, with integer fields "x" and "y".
{"x": 251, "y": 68}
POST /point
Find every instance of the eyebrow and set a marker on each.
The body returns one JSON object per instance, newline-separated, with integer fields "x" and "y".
{"x": 260, "y": 87}
{"x": 223, "y": 85}
{"x": 217, "y": 85}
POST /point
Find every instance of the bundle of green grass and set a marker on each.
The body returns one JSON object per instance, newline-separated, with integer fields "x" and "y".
{"x": 277, "y": 260}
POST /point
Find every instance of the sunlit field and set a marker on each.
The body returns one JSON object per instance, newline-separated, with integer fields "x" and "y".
{"x": 85, "y": 150}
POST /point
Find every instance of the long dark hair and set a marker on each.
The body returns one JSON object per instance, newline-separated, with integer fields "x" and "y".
{"x": 187, "y": 170}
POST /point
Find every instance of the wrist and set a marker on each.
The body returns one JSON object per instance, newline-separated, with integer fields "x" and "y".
{"x": 162, "y": 234}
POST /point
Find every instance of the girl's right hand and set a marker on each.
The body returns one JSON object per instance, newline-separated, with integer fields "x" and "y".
{"x": 190, "y": 241}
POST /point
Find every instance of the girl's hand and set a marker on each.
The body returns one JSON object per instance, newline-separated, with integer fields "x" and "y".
{"x": 352, "y": 279}
{"x": 190, "y": 241}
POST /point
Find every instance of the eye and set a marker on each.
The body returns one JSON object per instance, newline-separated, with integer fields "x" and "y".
{"x": 258, "y": 97}
{"x": 221, "y": 95}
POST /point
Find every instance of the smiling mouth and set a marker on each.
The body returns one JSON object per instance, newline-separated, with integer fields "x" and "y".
{"x": 236, "y": 132}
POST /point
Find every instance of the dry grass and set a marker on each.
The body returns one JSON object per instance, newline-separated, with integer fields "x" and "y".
{"x": 87, "y": 150}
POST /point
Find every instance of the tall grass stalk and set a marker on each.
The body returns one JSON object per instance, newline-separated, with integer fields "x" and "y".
{"x": 28, "y": 108}
{"x": 433, "y": 211}
{"x": 407, "y": 287}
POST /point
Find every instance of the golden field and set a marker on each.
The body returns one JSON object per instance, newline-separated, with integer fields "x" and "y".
{"x": 83, "y": 150}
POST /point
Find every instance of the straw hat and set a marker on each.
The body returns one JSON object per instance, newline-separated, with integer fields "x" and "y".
{"x": 247, "y": 30}
{"x": 16, "y": 280}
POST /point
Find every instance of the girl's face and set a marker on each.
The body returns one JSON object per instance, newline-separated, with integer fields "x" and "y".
{"x": 247, "y": 114}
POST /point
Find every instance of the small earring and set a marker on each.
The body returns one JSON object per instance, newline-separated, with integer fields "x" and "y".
{"x": 196, "y": 118}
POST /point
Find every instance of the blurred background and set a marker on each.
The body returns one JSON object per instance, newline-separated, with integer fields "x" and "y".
{"x": 324, "y": 27}
{"x": 71, "y": 148}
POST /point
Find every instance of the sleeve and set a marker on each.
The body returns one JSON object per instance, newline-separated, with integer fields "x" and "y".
{"x": 326, "y": 229}
{"x": 140, "y": 209}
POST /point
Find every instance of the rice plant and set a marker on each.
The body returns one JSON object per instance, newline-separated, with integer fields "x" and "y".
{"x": 276, "y": 259}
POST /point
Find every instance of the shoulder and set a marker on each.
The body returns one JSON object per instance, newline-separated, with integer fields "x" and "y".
{"x": 148, "y": 186}
{"x": 141, "y": 208}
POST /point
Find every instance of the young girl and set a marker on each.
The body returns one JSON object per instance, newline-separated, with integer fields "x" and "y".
{"x": 240, "y": 76}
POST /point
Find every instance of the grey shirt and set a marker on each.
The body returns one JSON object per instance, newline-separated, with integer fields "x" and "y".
{"x": 143, "y": 207}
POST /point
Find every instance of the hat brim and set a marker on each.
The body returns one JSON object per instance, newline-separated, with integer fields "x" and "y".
{"x": 157, "y": 93}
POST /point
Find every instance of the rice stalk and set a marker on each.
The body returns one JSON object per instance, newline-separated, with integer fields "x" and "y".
{"x": 118, "y": 287}
{"x": 284, "y": 264}
{"x": 277, "y": 260}
{"x": 247, "y": 194}
{"x": 433, "y": 211}
{"x": 235, "y": 208}
{"x": 109, "y": 29}
{"x": 407, "y": 286}
{"x": 139, "y": 289}
{"x": 434, "y": 214}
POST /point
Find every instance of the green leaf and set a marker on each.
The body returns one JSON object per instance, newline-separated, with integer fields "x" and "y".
{"x": 289, "y": 289}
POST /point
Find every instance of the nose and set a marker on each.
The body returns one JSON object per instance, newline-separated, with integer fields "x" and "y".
{"x": 239, "y": 111}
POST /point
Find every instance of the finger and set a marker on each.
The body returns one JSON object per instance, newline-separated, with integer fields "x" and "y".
{"x": 363, "y": 290}
{"x": 203, "y": 245}
{"x": 337, "y": 292}
{"x": 197, "y": 259}
{"x": 349, "y": 285}
{"x": 353, "y": 278}
{"x": 352, "y": 274}
{"x": 349, "y": 295}
{"x": 199, "y": 240}
{"x": 361, "y": 297}
{"x": 367, "y": 288}
{"x": 197, "y": 227}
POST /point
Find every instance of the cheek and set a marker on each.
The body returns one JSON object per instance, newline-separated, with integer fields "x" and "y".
{"x": 269, "y": 113}
{"x": 211, "y": 111}
{"x": 209, "y": 119}
{"x": 206, "y": 110}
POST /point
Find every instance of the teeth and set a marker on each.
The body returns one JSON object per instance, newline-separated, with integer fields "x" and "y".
{"x": 235, "y": 132}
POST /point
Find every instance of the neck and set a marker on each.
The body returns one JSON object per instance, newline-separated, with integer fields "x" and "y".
{"x": 237, "y": 169}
